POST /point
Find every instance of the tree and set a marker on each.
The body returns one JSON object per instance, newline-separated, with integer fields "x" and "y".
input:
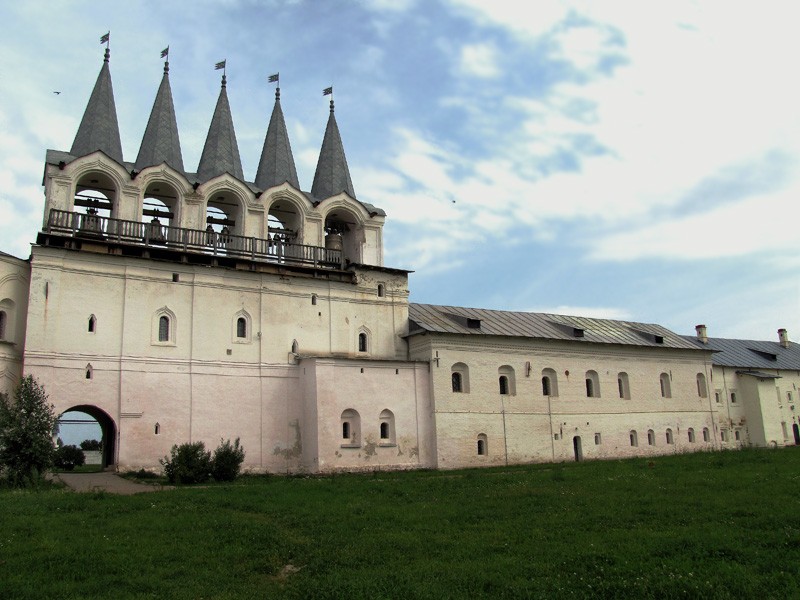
{"x": 91, "y": 445}
{"x": 27, "y": 426}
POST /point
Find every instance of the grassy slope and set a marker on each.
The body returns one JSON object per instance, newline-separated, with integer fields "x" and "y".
{"x": 703, "y": 525}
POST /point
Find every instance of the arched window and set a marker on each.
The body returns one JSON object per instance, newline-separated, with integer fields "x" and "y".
{"x": 381, "y": 290}
{"x": 597, "y": 439}
{"x": 706, "y": 436}
{"x": 157, "y": 429}
{"x": 295, "y": 347}
{"x": 163, "y": 328}
{"x": 592, "y": 384}
{"x": 669, "y": 436}
{"x": 651, "y": 437}
{"x": 241, "y": 327}
{"x": 733, "y": 397}
{"x": 666, "y": 391}
{"x": 89, "y": 371}
{"x": 3, "y": 318}
{"x": 92, "y": 324}
{"x": 313, "y": 299}
{"x": 351, "y": 428}
{"x": 634, "y": 438}
{"x": 691, "y": 435}
{"x": 362, "y": 342}
{"x": 549, "y": 383}
{"x": 503, "y": 384}
{"x": 702, "y": 390}
{"x": 483, "y": 445}
{"x": 459, "y": 378}
{"x": 387, "y": 427}
{"x": 623, "y": 386}
{"x": 506, "y": 380}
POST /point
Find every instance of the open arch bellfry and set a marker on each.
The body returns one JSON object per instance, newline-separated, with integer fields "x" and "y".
{"x": 181, "y": 305}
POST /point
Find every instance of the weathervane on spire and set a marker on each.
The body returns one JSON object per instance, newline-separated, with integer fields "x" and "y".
{"x": 276, "y": 78}
{"x": 328, "y": 91}
{"x": 165, "y": 54}
{"x": 106, "y": 39}
{"x": 221, "y": 65}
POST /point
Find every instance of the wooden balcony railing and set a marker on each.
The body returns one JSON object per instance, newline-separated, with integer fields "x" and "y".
{"x": 156, "y": 235}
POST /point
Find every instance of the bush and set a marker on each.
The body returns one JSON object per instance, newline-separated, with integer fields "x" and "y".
{"x": 69, "y": 457}
{"x": 187, "y": 463}
{"x": 91, "y": 445}
{"x": 27, "y": 425}
{"x": 227, "y": 461}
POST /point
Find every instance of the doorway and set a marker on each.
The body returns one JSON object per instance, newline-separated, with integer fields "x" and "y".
{"x": 576, "y": 445}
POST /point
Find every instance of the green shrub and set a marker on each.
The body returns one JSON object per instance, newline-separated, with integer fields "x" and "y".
{"x": 27, "y": 425}
{"x": 69, "y": 457}
{"x": 91, "y": 445}
{"x": 187, "y": 463}
{"x": 227, "y": 461}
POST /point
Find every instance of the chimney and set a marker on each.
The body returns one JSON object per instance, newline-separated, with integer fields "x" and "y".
{"x": 702, "y": 333}
{"x": 783, "y": 337}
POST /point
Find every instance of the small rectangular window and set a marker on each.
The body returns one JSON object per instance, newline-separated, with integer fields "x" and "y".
{"x": 175, "y": 277}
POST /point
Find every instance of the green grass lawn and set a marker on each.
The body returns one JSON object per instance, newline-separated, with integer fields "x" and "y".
{"x": 713, "y": 525}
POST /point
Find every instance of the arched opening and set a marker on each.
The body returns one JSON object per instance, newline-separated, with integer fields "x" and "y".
{"x": 342, "y": 232}
{"x": 796, "y": 432}
{"x": 483, "y": 445}
{"x": 666, "y": 391}
{"x": 284, "y": 223}
{"x": 95, "y": 202}
{"x": 623, "y": 386}
{"x": 223, "y": 220}
{"x": 592, "y": 384}
{"x": 459, "y": 378}
{"x": 387, "y": 427}
{"x": 506, "y": 380}
{"x": 576, "y": 446}
{"x": 159, "y": 211}
{"x": 351, "y": 427}
{"x": 634, "y": 437}
{"x": 691, "y": 435}
{"x": 549, "y": 382}
{"x": 87, "y": 422}
{"x": 702, "y": 389}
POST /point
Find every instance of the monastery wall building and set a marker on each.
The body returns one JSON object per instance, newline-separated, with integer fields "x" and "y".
{"x": 177, "y": 306}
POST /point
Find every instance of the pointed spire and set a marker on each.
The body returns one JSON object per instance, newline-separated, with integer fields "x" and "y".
{"x": 161, "y": 143}
{"x": 332, "y": 176}
{"x": 221, "y": 152}
{"x": 277, "y": 163}
{"x": 99, "y": 129}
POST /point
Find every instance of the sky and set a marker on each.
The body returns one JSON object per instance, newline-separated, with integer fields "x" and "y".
{"x": 624, "y": 159}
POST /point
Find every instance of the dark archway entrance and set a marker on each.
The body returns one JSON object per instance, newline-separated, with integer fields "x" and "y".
{"x": 796, "y": 430}
{"x": 576, "y": 445}
{"x": 107, "y": 427}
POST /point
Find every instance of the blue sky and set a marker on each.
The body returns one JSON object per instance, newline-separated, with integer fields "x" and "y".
{"x": 619, "y": 159}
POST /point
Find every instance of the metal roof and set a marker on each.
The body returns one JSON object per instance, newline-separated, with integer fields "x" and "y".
{"x": 332, "y": 175}
{"x": 479, "y": 321}
{"x": 161, "y": 143}
{"x": 99, "y": 129}
{"x": 277, "y": 163}
{"x": 751, "y": 354}
{"x": 220, "y": 152}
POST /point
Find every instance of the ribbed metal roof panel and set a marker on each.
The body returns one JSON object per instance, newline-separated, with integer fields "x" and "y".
{"x": 751, "y": 354}
{"x": 444, "y": 319}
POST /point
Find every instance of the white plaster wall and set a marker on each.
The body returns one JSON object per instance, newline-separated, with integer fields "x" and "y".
{"x": 530, "y": 427}
{"x": 14, "y": 284}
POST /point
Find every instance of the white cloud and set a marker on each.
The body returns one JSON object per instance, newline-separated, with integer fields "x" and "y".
{"x": 479, "y": 60}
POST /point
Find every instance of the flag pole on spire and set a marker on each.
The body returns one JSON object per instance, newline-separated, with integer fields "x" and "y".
{"x": 221, "y": 65}
{"x": 276, "y": 78}
{"x": 328, "y": 91}
{"x": 106, "y": 39}
{"x": 165, "y": 53}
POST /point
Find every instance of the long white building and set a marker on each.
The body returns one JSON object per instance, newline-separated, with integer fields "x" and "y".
{"x": 175, "y": 306}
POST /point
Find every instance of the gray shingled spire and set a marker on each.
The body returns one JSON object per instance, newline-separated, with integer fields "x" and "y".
{"x": 332, "y": 176}
{"x": 99, "y": 129}
{"x": 277, "y": 163}
{"x": 221, "y": 152}
{"x": 161, "y": 143}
